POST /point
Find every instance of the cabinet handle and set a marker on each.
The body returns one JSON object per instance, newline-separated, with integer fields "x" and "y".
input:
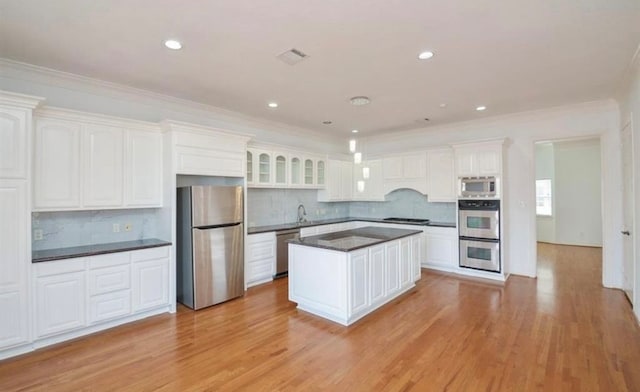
{"x": 626, "y": 232}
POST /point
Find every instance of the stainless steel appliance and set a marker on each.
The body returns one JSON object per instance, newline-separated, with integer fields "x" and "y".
{"x": 210, "y": 245}
{"x": 478, "y": 186}
{"x": 479, "y": 230}
{"x": 282, "y": 251}
{"x": 417, "y": 221}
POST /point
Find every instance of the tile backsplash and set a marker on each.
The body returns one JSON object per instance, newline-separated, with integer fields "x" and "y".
{"x": 276, "y": 206}
{"x": 76, "y": 228}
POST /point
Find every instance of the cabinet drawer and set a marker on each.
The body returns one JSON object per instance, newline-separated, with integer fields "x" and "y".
{"x": 109, "y": 306}
{"x": 48, "y": 268}
{"x": 109, "y": 260}
{"x": 105, "y": 280}
{"x": 261, "y": 250}
{"x": 259, "y": 270}
{"x": 150, "y": 254}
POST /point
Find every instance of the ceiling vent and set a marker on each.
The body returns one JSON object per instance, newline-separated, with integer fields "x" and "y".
{"x": 292, "y": 56}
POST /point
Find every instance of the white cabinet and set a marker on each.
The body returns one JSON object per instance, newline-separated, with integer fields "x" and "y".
{"x": 339, "y": 182}
{"x": 57, "y": 164}
{"x": 309, "y": 172}
{"x": 392, "y": 283}
{"x": 263, "y": 168}
{"x": 377, "y": 270}
{"x": 14, "y": 260}
{"x": 280, "y": 169}
{"x": 479, "y": 159}
{"x": 441, "y": 178}
{"x": 60, "y": 297}
{"x": 85, "y": 162}
{"x": 373, "y": 186}
{"x": 417, "y": 247}
{"x": 405, "y": 171}
{"x": 359, "y": 282}
{"x": 269, "y": 166}
{"x": 143, "y": 169}
{"x": 441, "y": 248}
{"x": 102, "y": 158}
{"x": 260, "y": 258}
{"x": 249, "y": 168}
{"x": 150, "y": 278}
{"x": 321, "y": 167}
{"x": 406, "y": 268}
{"x": 295, "y": 178}
{"x": 14, "y": 131}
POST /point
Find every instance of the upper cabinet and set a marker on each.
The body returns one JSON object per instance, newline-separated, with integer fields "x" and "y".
{"x": 279, "y": 168}
{"x": 440, "y": 175}
{"x": 479, "y": 159}
{"x": 339, "y": 185}
{"x": 373, "y": 185}
{"x": 405, "y": 171}
{"x": 90, "y": 161}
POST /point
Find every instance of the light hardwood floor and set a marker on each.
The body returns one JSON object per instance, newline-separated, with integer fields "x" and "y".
{"x": 560, "y": 332}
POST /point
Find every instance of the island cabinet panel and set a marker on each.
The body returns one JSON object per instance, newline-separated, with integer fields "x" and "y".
{"x": 359, "y": 290}
{"x": 416, "y": 256}
{"x": 377, "y": 274}
{"x": 344, "y": 286}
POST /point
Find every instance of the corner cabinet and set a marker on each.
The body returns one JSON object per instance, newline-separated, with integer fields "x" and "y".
{"x": 84, "y": 161}
{"x": 15, "y": 222}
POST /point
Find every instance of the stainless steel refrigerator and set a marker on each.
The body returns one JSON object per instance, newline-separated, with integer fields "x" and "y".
{"x": 210, "y": 245}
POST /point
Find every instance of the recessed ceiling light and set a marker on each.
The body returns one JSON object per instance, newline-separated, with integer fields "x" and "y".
{"x": 272, "y": 105}
{"x": 481, "y": 108}
{"x": 173, "y": 44}
{"x": 327, "y": 122}
{"x": 354, "y": 131}
{"x": 425, "y": 55}
{"x": 359, "y": 100}
{"x": 443, "y": 105}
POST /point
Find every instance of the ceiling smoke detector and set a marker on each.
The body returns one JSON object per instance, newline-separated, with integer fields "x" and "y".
{"x": 359, "y": 101}
{"x": 292, "y": 56}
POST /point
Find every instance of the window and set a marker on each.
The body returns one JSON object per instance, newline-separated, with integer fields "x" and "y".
{"x": 543, "y": 197}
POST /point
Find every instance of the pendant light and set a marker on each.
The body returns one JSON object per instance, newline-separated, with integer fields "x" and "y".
{"x": 352, "y": 146}
{"x": 365, "y": 172}
{"x": 360, "y": 186}
{"x": 357, "y": 158}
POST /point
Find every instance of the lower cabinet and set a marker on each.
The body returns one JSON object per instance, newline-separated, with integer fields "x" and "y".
{"x": 377, "y": 270}
{"x": 261, "y": 258}
{"x": 441, "y": 248}
{"x": 77, "y": 296}
{"x": 359, "y": 281}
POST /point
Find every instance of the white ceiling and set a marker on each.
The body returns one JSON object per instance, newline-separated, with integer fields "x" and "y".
{"x": 508, "y": 55}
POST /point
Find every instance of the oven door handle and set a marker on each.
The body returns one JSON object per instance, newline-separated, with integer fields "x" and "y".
{"x": 492, "y": 240}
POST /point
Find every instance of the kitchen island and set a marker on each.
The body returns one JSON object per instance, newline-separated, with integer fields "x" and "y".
{"x": 345, "y": 275}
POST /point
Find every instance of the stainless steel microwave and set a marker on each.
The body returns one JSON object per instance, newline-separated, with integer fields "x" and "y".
{"x": 478, "y": 187}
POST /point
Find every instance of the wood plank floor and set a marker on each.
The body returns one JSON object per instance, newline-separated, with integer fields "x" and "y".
{"x": 560, "y": 332}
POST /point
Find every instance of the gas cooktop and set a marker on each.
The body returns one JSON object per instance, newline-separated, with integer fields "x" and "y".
{"x": 407, "y": 220}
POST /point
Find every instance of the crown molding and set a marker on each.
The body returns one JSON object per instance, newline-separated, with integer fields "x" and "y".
{"x": 19, "y": 100}
{"x": 94, "y": 118}
{"x": 180, "y": 126}
{"x": 62, "y": 79}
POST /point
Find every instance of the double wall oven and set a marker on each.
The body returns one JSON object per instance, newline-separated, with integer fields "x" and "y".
{"x": 479, "y": 223}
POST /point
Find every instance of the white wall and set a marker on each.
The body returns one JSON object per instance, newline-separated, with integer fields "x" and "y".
{"x": 595, "y": 119}
{"x": 546, "y": 225}
{"x": 578, "y": 200}
{"x": 629, "y": 98}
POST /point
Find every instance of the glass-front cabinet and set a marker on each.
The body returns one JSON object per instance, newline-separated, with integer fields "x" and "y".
{"x": 280, "y": 169}
{"x": 296, "y": 171}
{"x": 264, "y": 168}
{"x": 249, "y": 168}
{"x": 320, "y": 173}
{"x": 309, "y": 174}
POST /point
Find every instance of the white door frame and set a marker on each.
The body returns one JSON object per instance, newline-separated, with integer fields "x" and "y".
{"x": 628, "y": 127}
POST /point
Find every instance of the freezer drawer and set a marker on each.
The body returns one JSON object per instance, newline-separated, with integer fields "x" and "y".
{"x": 218, "y": 264}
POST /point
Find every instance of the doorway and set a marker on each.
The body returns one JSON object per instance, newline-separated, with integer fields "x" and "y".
{"x": 568, "y": 190}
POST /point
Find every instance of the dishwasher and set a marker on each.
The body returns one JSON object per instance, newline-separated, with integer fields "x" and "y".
{"x": 282, "y": 251}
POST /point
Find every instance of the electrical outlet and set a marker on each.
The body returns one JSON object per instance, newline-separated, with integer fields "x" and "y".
{"x": 37, "y": 234}
{"x": 128, "y": 226}
{"x": 116, "y": 227}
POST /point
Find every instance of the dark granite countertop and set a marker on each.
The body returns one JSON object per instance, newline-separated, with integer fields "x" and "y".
{"x": 287, "y": 226}
{"x": 38, "y": 256}
{"x": 349, "y": 240}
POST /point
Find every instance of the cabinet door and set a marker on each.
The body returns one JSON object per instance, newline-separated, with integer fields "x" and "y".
{"x": 392, "y": 168}
{"x": 281, "y": 169}
{"x": 102, "y": 157}
{"x": 465, "y": 163}
{"x": 13, "y": 143}
{"x": 60, "y": 303}
{"x": 320, "y": 173}
{"x": 489, "y": 162}
{"x": 296, "y": 171}
{"x": 13, "y": 262}
{"x": 264, "y": 168}
{"x": 440, "y": 176}
{"x": 359, "y": 276}
{"x": 249, "y": 168}
{"x": 309, "y": 172}
{"x": 393, "y": 268}
{"x": 416, "y": 256}
{"x": 143, "y": 169}
{"x": 150, "y": 284}
{"x": 109, "y": 306}
{"x": 56, "y": 161}
{"x": 406, "y": 269}
{"x": 414, "y": 166}
{"x": 346, "y": 181}
{"x": 378, "y": 274}
{"x": 441, "y": 249}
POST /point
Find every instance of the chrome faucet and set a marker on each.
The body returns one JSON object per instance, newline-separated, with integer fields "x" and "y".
{"x": 302, "y": 214}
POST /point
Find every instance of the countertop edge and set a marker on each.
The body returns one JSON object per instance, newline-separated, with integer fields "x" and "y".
{"x": 289, "y": 226}
{"x": 408, "y": 233}
{"x": 88, "y": 253}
